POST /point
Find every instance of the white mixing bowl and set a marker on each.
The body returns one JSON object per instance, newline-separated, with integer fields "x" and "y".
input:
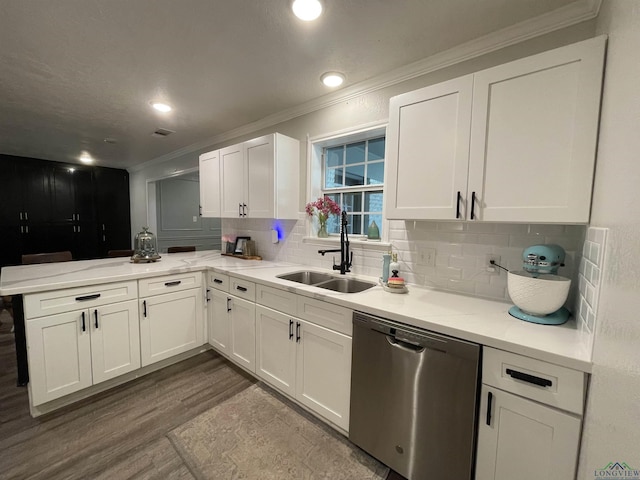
{"x": 538, "y": 296}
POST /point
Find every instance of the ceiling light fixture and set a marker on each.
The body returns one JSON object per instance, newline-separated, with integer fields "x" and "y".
{"x": 161, "y": 107}
{"x": 86, "y": 158}
{"x": 307, "y": 10}
{"x": 332, "y": 79}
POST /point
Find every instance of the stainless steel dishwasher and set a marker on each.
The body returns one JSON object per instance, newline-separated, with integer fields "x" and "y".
{"x": 414, "y": 399}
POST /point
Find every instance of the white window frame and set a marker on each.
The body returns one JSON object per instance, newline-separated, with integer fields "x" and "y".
{"x": 315, "y": 149}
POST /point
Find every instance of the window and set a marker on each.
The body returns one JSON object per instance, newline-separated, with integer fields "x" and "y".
{"x": 353, "y": 176}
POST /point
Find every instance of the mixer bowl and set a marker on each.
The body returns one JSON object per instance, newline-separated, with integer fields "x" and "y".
{"x": 538, "y": 296}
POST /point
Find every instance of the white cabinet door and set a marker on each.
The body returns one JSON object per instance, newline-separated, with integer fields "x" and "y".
{"x": 232, "y": 181}
{"x": 115, "y": 340}
{"x": 210, "y": 184}
{"x": 243, "y": 333}
{"x": 525, "y": 440}
{"x": 219, "y": 321}
{"x": 323, "y": 377}
{"x": 59, "y": 355}
{"x": 170, "y": 324}
{"x": 259, "y": 164}
{"x": 276, "y": 349}
{"x": 533, "y": 139}
{"x": 428, "y": 151}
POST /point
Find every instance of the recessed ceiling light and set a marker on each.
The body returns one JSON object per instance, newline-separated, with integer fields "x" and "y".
{"x": 307, "y": 10}
{"x": 161, "y": 107}
{"x": 86, "y": 158}
{"x": 332, "y": 79}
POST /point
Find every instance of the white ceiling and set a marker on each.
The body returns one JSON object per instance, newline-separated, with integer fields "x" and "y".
{"x": 74, "y": 72}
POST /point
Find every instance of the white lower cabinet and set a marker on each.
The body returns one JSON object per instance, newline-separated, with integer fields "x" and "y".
{"x": 115, "y": 340}
{"x": 276, "y": 349}
{"x": 323, "y": 377}
{"x": 74, "y": 350}
{"x": 306, "y": 361}
{"x": 232, "y": 320}
{"x": 242, "y": 332}
{"x": 530, "y": 419}
{"x": 170, "y": 323}
{"x": 218, "y": 318}
{"x": 519, "y": 438}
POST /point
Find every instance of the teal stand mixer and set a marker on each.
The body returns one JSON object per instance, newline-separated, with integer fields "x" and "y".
{"x": 538, "y": 291}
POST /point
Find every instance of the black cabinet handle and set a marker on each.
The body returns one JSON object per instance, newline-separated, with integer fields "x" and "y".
{"x": 473, "y": 205}
{"x": 239, "y": 209}
{"x": 244, "y": 209}
{"x": 200, "y": 210}
{"x": 87, "y": 297}
{"x": 458, "y": 204}
{"x": 228, "y": 304}
{"x": 489, "y": 405}
{"x": 144, "y": 308}
{"x": 217, "y": 280}
{"x": 84, "y": 327}
{"x": 207, "y": 295}
{"x": 525, "y": 377}
{"x": 290, "y": 329}
{"x": 95, "y": 314}
{"x": 242, "y": 289}
{"x": 297, "y": 332}
{"x": 173, "y": 284}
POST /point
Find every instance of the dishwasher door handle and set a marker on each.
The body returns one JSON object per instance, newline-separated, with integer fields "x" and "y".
{"x": 396, "y": 342}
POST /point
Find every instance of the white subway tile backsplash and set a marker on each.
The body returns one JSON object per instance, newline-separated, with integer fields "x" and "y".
{"x": 589, "y": 274}
{"x": 461, "y": 249}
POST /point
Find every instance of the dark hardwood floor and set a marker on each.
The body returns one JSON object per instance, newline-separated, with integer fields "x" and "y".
{"x": 118, "y": 434}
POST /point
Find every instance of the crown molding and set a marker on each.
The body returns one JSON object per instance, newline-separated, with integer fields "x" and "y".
{"x": 571, "y": 14}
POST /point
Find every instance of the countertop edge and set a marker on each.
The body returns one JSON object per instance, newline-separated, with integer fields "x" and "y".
{"x": 264, "y": 273}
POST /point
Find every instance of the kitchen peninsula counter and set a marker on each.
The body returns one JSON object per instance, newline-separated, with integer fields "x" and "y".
{"x": 469, "y": 318}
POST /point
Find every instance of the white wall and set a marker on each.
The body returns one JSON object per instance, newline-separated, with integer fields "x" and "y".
{"x": 612, "y": 426}
{"x": 367, "y": 108}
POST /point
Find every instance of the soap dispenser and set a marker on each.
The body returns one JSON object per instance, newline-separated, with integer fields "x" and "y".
{"x": 394, "y": 267}
{"x": 386, "y": 262}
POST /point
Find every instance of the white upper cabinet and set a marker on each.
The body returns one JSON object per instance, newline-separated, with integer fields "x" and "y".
{"x": 232, "y": 174}
{"x": 428, "y": 153}
{"x": 534, "y": 134}
{"x": 530, "y": 142}
{"x": 209, "y": 168}
{"x": 260, "y": 178}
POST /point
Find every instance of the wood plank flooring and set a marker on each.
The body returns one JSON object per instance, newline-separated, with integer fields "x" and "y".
{"x": 118, "y": 434}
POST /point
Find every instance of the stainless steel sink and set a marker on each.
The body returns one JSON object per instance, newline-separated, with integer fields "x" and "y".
{"x": 327, "y": 281}
{"x": 306, "y": 277}
{"x": 346, "y": 285}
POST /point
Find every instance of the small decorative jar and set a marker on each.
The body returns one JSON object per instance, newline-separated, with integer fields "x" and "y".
{"x": 145, "y": 247}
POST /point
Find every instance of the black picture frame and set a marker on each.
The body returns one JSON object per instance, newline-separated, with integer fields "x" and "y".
{"x": 237, "y": 249}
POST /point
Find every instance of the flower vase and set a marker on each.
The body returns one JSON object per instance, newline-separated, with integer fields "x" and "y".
{"x": 322, "y": 231}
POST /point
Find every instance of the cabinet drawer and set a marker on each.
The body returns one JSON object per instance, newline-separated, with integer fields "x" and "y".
{"x": 219, "y": 281}
{"x": 325, "y": 314}
{"x": 276, "y": 299}
{"x": 169, "y": 283}
{"x": 242, "y": 289}
{"x": 544, "y": 382}
{"x": 59, "y": 301}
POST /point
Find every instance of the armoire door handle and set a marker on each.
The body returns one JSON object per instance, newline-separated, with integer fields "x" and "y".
{"x": 473, "y": 205}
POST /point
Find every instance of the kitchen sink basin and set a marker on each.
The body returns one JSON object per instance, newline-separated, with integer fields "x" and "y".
{"x": 346, "y": 285}
{"x": 307, "y": 277}
{"x": 327, "y": 281}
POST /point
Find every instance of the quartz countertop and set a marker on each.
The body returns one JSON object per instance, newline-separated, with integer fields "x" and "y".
{"x": 470, "y": 318}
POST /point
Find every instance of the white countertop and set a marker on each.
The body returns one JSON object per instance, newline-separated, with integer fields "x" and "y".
{"x": 470, "y": 318}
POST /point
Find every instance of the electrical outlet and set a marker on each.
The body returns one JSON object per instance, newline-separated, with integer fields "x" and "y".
{"x": 427, "y": 257}
{"x": 492, "y": 269}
